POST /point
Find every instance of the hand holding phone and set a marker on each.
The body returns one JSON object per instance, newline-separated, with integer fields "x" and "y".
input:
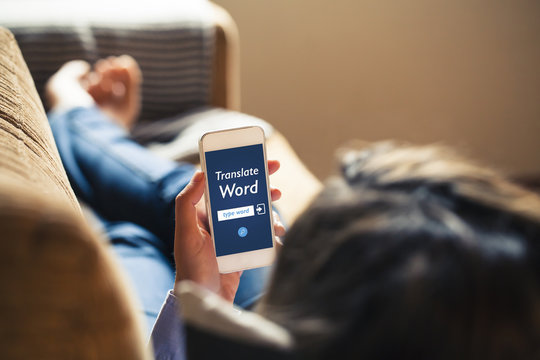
{"x": 194, "y": 249}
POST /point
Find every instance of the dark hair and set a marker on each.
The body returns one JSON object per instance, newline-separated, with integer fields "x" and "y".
{"x": 413, "y": 253}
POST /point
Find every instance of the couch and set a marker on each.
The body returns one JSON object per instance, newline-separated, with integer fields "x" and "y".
{"x": 63, "y": 295}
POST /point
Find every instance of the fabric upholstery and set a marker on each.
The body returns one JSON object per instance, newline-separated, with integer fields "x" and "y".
{"x": 172, "y": 42}
{"x": 62, "y": 295}
{"x": 29, "y": 154}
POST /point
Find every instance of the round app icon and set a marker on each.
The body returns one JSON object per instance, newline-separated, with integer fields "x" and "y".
{"x": 242, "y": 232}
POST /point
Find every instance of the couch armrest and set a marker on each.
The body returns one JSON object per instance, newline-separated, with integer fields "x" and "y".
{"x": 63, "y": 296}
{"x": 28, "y": 150}
{"x": 225, "y": 90}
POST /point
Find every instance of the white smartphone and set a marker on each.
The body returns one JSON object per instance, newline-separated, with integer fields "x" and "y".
{"x": 238, "y": 198}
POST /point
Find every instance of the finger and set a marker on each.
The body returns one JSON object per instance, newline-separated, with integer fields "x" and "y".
{"x": 275, "y": 194}
{"x": 279, "y": 228}
{"x": 229, "y": 285}
{"x": 186, "y": 212}
{"x": 273, "y": 166}
{"x": 202, "y": 215}
{"x": 193, "y": 191}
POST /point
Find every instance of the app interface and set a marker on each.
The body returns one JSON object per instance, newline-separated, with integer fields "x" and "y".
{"x": 239, "y": 199}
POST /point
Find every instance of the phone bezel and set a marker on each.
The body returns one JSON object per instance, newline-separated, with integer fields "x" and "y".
{"x": 227, "y": 139}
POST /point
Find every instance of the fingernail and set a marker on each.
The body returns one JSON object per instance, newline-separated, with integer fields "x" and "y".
{"x": 198, "y": 176}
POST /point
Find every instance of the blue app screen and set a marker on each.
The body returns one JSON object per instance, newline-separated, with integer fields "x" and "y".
{"x": 239, "y": 199}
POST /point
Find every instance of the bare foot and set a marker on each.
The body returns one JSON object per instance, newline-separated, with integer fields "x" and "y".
{"x": 64, "y": 90}
{"x": 115, "y": 86}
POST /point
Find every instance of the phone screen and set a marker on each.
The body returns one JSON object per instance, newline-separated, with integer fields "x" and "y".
{"x": 239, "y": 199}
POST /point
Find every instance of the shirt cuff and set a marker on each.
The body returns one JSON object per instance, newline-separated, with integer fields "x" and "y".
{"x": 168, "y": 337}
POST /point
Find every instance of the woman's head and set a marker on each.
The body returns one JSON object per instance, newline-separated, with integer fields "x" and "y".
{"x": 412, "y": 253}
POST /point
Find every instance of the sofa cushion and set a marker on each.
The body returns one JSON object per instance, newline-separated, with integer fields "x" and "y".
{"x": 29, "y": 154}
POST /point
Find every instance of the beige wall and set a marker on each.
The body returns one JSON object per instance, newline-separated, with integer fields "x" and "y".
{"x": 462, "y": 72}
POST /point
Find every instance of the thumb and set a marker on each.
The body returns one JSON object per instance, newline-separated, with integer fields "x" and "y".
{"x": 186, "y": 213}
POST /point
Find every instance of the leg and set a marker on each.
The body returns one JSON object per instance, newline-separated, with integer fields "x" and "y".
{"x": 118, "y": 178}
{"x": 149, "y": 270}
{"x": 252, "y": 285}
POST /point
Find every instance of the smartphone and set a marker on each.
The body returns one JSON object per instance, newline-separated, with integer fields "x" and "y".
{"x": 238, "y": 198}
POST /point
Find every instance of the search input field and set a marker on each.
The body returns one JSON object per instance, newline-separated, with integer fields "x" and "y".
{"x": 236, "y": 213}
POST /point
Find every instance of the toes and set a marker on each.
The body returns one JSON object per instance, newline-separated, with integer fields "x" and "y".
{"x": 120, "y": 69}
{"x": 125, "y": 69}
{"x": 115, "y": 85}
{"x": 119, "y": 74}
{"x": 94, "y": 88}
{"x": 130, "y": 64}
{"x": 92, "y": 80}
{"x": 101, "y": 66}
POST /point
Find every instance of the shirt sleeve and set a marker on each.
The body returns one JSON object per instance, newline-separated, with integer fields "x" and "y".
{"x": 168, "y": 337}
